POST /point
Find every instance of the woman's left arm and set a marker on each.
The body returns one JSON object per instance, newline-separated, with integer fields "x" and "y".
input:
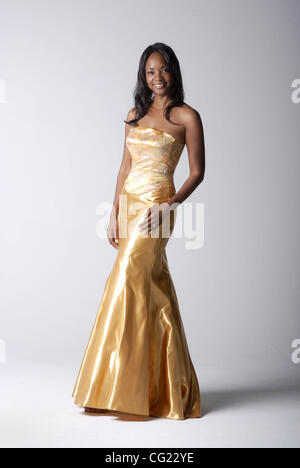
{"x": 194, "y": 139}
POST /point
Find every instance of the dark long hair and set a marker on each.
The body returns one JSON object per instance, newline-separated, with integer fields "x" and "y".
{"x": 142, "y": 92}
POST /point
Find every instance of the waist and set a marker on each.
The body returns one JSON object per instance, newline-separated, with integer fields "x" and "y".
{"x": 151, "y": 185}
{"x": 162, "y": 167}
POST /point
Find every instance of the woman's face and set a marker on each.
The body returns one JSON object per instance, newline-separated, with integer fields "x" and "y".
{"x": 158, "y": 75}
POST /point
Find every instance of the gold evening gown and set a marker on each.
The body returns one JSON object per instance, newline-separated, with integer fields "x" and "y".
{"x": 137, "y": 359}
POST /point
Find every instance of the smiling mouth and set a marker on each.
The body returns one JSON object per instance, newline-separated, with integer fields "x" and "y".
{"x": 160, "y": 85}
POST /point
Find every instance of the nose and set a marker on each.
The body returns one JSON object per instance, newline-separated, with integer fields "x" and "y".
{"x": 158, "y": 75}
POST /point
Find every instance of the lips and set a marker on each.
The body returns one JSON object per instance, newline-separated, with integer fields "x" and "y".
{"x": 161, "y": 85}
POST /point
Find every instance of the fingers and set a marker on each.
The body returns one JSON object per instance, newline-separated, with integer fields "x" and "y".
{"x": 146, "y": 222}
{"x": 153, "y": 219}
{"x": 113, "y": 242}
{"x": 149, "y": 225}
{"x": 112, "y": 238}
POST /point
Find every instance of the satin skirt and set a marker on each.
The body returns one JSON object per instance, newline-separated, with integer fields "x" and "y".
{"x": 137, "y": 359}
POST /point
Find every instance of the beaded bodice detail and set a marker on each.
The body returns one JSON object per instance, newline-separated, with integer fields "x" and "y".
{"x": 155, "y": 155}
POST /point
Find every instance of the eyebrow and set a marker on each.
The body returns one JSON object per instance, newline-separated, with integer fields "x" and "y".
{"x": 151, "y": 68}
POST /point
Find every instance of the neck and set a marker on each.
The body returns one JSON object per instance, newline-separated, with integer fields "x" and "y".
{"x": 160, "y": 102}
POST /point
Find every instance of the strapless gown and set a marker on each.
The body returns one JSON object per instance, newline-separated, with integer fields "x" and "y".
{"x": 137, "y": 359}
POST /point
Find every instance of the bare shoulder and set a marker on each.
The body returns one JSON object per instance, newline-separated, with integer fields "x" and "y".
{"x": 194, "y": 134}
{"x": 131, "y": 114}
{"x": 189, "y": 116}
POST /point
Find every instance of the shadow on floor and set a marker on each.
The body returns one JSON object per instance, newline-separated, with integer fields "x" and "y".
{"x": 218, "y": 400}
{"x": 122, "y": 416}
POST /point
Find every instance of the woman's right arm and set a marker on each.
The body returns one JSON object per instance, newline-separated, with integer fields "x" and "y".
{"x": 113, "y": 228}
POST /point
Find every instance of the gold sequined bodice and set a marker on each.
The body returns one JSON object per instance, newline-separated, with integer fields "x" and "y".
{"x": 155, "y": 155}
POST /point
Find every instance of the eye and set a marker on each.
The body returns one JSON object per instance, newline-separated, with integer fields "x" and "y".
{"x": 164, "y": 70}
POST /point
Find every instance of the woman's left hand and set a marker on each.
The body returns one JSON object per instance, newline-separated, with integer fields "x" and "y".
{"x": 154, "y": 216}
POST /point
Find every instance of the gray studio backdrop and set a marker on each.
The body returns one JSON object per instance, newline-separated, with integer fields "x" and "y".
{"x": 67, "y": 73}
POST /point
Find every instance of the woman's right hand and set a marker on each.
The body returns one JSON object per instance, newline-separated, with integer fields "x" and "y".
{"x": 113, "y": 230}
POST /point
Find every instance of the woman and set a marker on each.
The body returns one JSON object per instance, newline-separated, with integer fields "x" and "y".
{"x": 137, "y": 359}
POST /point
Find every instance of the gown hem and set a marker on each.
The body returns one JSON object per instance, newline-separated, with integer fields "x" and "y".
{"x": 140, "y": 413}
